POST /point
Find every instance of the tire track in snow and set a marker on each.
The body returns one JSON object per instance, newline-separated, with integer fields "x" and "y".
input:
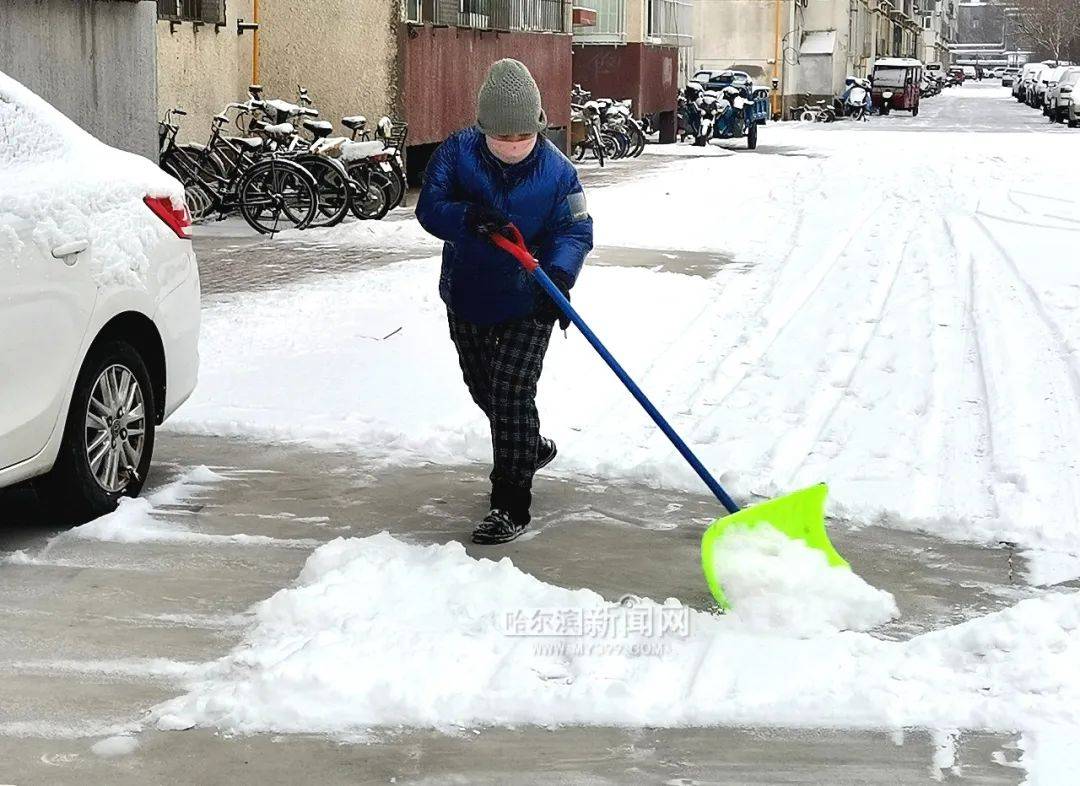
{"x": 1030, "y": 377}
{"x": 750, "y": 355}
{"x": 802, "y": 441}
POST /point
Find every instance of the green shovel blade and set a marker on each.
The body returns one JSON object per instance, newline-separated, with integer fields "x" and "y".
{"x": 799, "y": 515}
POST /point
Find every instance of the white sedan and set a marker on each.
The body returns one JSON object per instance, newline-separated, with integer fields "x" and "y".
{"x": 99, "y": 308}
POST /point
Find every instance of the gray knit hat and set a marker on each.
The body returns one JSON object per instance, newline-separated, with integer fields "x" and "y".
{"x": 509, "y": 101}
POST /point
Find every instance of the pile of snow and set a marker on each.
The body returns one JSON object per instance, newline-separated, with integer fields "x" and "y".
{"x": 68, "y": 185}
{"x": 779, "y": 583}
{"x": 377, "y": 633}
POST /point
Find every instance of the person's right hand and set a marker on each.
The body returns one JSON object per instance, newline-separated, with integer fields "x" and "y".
{"x": 483, "y": 221}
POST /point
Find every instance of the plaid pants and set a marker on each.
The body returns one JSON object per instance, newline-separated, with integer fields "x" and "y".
{"x": 501, "y": 365}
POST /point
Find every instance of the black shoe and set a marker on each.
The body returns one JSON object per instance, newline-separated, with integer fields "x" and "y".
{"x": 497, "y": 527}
{"x": 545, "y": 452}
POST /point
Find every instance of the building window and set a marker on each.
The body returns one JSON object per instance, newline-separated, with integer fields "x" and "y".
{"x": 532, "y": 15}
{"x": 211, "y": 12}
{"x": 671, "y": 22}
{"x": 610, "y": 27}
{"x": 926, "y": 22}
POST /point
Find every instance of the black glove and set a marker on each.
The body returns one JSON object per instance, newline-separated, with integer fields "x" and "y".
{"x": 546, "y": 309}
{"x": 483, "y": 221}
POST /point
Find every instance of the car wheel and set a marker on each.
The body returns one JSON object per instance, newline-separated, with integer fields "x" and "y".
{"x": 109, "y": 435}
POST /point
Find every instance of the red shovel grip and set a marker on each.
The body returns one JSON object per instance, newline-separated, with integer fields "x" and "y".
{"x": 515, "y": 246}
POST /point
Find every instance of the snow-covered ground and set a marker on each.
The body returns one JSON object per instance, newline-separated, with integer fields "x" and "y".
{"x": 904, "y": 324}
{"x": 905, "y": 327}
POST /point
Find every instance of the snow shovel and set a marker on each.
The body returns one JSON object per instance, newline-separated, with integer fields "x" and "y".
{"x": 799, "y": 515}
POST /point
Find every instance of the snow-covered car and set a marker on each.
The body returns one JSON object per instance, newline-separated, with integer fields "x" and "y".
{"x": 99, "y": 308}
{"x": 1041, "y": 87}
{"x": 1008, "y": 76}
{"x": 1028, "y": 74}
{"x": 970, "y": 72}
{"x": 1066, "y": 92}
{"x": 1053, "y": 86}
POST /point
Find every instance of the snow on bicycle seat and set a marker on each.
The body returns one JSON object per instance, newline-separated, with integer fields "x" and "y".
{"x": 357, "y": 151}
{"x": 320, "y": 128}
{"x": 283, "y": 106}
{"x": 251, "y": 142}
{"x": 329, "y": 146}
{"x": 280, "y": 129}
{"x": 354, "y": 122}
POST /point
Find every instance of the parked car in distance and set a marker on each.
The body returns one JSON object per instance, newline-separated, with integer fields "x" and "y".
{"x": 1008, "y": 76}
{"x": 1063, "y": 108}
{"x": 100, "y": 318}
{"x": 970, "y": 72}
{"x": 957, "y": 73}
{"x": 718, "y": 80}
{"x": 1049, "y": 80}
{"x": 1028, "y": 74}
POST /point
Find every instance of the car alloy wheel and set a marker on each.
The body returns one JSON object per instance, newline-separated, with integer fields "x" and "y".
{"x": 115, "y": 428}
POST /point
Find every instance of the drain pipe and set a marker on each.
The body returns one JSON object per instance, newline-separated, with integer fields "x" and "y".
{"x": 778, "y": 78}
{"x": 255, "y": 44}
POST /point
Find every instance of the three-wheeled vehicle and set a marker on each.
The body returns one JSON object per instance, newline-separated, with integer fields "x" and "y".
{"x": 896, "y": 82}
{"x": 732, "y": 108}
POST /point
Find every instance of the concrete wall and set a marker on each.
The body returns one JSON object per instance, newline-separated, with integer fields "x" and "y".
{"x": 444, "y": 68}
{"x": 734, "y": 31}
{"x": 94, "y": 60}
{"x": 202, "y": 69}
{"x": 345, "y": 52}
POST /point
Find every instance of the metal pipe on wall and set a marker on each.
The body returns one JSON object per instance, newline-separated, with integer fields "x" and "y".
{"x": 255, "y": 44}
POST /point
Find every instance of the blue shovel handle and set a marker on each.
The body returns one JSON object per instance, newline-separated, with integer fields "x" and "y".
{"x": 515, "y": 245}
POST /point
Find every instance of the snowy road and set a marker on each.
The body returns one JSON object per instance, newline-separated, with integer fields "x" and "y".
{"x": 895, "y": 312}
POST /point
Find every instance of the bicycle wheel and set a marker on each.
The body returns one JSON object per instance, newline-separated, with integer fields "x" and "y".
{"x": 637, "y": 138}
{"x": 332, "y": 183}
{"x": 596, "y": 144}
{"x": 369, "y": 196}
{"x": 402, "y": 183}
{"x": 610, "y": 146}
{"x": 203, "y": 159}
{"x": 807, "y": 116}
{"x": 275, "y": 195}
{"x": 622, "y": 144}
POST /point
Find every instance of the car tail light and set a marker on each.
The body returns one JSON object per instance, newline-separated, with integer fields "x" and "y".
{"x": 177, "y": 219}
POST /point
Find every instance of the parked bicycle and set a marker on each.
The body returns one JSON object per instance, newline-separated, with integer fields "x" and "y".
{"x": 271, "y": 192}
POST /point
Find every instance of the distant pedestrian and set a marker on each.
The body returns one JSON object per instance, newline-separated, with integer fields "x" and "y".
{"x": 478, "y": 181}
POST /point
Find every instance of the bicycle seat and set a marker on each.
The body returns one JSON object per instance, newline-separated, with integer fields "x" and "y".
{"x": 280, "y": 129}
{"x": 320, "y": 128}
{"x": 250, "y": 142}
{"x": 355, "y": 122}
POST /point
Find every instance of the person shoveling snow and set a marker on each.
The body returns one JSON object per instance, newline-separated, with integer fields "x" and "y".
{"x": 479, "y": 180}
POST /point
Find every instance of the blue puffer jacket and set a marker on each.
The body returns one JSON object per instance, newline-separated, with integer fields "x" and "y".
{"x": 541, "y": 195}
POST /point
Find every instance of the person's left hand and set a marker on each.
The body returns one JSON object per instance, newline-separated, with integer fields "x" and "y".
{"x": 546, "y": 309}
{"x": 483, "y": 221}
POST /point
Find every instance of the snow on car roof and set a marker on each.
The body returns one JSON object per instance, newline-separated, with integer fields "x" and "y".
{"x": 38, "y": 143}
{"x": 65, "y": 182}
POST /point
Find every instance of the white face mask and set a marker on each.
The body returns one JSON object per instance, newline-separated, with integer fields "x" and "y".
{"x": 511, "y": 152}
